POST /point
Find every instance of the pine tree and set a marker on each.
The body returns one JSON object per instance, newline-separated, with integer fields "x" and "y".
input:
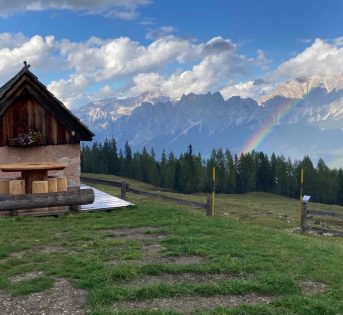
{"x": 340, "y": 187}
{"x": 230, "y": 173}
{"x": 163, "y": 169}
{"x": 113, "y": 158}
{"x": 127, "y": 171}
{"x": 170, "y": 172}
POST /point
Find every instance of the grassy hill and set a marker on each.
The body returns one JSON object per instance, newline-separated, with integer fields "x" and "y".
{"x": 162, "y": 258}
{"x": 259, "y": 208}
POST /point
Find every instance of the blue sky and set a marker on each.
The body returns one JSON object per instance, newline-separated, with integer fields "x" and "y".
{"x": 83, "y": 49}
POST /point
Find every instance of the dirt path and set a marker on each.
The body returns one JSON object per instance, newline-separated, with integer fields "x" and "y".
{"x": 189, "y": 304}
{"x": 59, "y": 300}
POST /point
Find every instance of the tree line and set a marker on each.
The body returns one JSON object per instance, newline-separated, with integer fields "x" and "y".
{"x": 190, "y": 173}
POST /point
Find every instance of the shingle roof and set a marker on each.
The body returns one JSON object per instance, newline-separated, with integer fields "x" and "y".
{"x": 51, "y": 104}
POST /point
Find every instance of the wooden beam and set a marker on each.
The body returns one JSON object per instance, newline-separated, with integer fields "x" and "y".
{"x": 31, "y": 201}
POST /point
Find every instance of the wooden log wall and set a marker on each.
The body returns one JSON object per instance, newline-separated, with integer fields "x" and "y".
{"x": 27, "y": 113}
{"x": 31, "y": 201}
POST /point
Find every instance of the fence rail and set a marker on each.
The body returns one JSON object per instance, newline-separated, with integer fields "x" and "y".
{"x": 325, "y": 213}
{"x": 102, "y": 181}
{"x": 304, "y": 220}
{"x": 125, "y": 187}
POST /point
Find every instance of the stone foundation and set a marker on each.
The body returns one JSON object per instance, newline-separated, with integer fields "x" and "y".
{"x": 66, "y": 153}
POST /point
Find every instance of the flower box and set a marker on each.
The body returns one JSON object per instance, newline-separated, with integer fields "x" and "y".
{"x": 27, "y": 138}
{"x": 14, "y": 143}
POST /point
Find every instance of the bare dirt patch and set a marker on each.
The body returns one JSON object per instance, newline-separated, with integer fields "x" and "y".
{"x": 152, "y": 254}
{"x": 189, "y": 304}
{"x": 63, "y": 235}
{"x": 190, "y": 277}
{"x": 55, "y": 249}
{"x": 61, "y": 299}
{"x": 19, "y": 254}
{"x": 175, "y": 260}
{"x": 26, "y": 276}
{"x": 309, "y": 287}
{"x": 152, "y": 251}
{"x": 139, "y": 234}
{"x": 181, "y": 260}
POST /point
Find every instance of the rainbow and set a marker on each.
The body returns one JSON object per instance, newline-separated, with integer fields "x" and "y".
{"x": 262, "y": 133}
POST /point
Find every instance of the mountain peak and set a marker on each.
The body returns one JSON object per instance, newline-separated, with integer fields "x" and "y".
{"x": 192, "y": 97}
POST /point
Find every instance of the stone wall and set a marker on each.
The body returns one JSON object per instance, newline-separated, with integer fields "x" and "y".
{"x": 66, "y": 153}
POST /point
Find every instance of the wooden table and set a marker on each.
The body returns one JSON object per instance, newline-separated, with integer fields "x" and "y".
{"x": 32, "y": 171}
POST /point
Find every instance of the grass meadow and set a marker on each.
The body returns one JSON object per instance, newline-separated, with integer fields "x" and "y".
{"x": 160, "y": 258}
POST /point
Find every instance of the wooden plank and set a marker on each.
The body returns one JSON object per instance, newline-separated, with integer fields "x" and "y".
{"x": 333, "y": 232}
{"x": 325, "y": 213}
{"x": 48, "y": 139}
{"x": 30, "y": 201}
{"x": 53, "y": 131}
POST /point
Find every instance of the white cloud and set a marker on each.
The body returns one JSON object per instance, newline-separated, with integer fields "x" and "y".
{"x": 147, "y": 82}
{"x": 247, "y": 89}
{"x": 10, "y": 41}
{"x": 321, "y": 58}
{"x": 305, "y": 40}
{"x": 338, "y": 41}
{"x": 169, "y": 65}
{"x": 206, "y": 75}
{"x": 121, "y": 56}
{"x": 122, "y": 9}
{"x": 71, "y": 90}
{"x": 14, "y": 49}
{"x": 160, "y": 32}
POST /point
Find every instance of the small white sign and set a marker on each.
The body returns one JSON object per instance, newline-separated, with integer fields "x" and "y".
{"x": 306, "y": 198}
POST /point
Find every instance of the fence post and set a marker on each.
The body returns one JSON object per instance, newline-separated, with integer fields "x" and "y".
{"x": 123, "y": 190}
{"x": 209, "y": 206}
{"x": 303, "y": 222}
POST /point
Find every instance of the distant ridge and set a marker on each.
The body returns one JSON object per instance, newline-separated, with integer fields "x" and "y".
{"x": 311, "y": 122}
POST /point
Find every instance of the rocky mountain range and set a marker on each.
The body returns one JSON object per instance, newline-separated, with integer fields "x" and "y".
{"x": 300, "y": 117}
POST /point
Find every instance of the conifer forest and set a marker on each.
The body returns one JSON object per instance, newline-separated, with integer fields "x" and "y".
{"x": 190, "y": 173}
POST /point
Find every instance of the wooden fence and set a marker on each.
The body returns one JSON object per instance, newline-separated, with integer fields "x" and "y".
{"x": 125, "y": 187}
{"x": 305, "y": 215}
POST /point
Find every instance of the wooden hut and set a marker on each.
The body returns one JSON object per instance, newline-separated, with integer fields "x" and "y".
{"x": 36, "y": 127}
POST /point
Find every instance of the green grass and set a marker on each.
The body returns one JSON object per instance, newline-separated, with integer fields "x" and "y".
{"x": 258, "y": 208}
{"x": 234, "y": 243}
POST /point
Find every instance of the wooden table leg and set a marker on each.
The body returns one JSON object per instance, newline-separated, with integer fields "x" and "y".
{"x": 31, "y": 176}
